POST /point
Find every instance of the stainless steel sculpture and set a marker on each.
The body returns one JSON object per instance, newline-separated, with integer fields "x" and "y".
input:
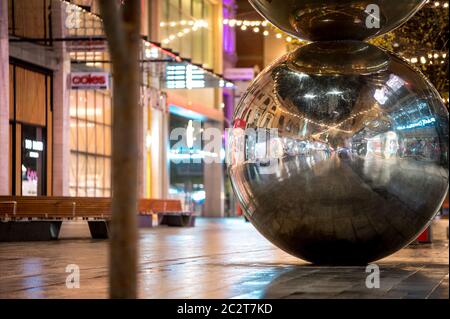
{"x": 339, "y": 152}
{"x": 319, "y": 20}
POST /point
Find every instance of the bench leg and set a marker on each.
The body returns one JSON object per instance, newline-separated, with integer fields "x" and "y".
{"x": 172, "y": 220}
{"x": 145, "y": 221}
{"x": 99, "y": 229}
{"x": 29, "y": 230}
{"x": 190, "y": 221}
{"x": 179, "y": 220}
{"x": 161, "y": 219}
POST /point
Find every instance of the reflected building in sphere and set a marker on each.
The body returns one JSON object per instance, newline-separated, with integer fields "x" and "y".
{"x": 352, "y": 164}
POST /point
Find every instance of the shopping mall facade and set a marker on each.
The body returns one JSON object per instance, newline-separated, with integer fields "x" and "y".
{"x": 55, "y": 99}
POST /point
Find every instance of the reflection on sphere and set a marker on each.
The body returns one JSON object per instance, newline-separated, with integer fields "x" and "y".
{"x": 342, "y": 161}
{"x": 319, "y": 20}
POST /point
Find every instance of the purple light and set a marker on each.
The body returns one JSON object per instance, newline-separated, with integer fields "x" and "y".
{"x": 229, "y": 48}
{"x": 229, "y": 37}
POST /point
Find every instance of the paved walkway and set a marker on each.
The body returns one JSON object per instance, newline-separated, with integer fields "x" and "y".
{"x": 223, "y": 258}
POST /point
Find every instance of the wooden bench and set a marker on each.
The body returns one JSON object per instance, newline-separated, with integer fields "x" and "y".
{"x": 40, "y": 217}
{"x": 169, "y": 211}
{"x": 7, "y": 209}
{"x": 97, "y": 211}
{"x": 27, "y": 218}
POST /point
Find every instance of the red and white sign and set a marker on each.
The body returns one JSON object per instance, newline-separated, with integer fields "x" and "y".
{"x": 239, "y": 123}
{"x": 89, "y": 80}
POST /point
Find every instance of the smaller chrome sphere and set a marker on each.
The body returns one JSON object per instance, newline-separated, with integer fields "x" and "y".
{"x": 323, "y": 20}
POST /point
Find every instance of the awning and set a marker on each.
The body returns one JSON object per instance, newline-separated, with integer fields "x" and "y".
{"x": 179, "y": 106}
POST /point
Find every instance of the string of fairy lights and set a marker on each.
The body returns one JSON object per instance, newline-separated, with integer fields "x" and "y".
{"x": 188, "y": 27}
{"x": 179, "y": 29}
{"x": 152, "y": 50}
{"x": 256, "y": 26}
{"x": 267, "y": 29}
{"x": 262, "y": 27}
{"x": 438, "y": 4}
{"x": 430, "y": 58}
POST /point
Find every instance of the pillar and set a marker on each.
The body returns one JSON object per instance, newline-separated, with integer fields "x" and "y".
{"x": 159, "y": 161}
{"x": 214, "y": 182}
{"x": 61, "y": 106}
{"x": 4, "y": 101}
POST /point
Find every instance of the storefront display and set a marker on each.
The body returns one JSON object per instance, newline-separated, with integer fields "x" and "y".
{"x": 90, "y": 143}
{"x": 30, "y": 121}
{"x": 33, "y": 160}
{"x": 186, "y": 164}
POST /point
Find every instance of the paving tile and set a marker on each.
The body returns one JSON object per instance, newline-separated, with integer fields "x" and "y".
{"x": 216, "y": 259}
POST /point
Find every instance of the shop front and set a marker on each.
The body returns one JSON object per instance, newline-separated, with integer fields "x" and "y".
{"x": 30, "y": 124}
{"x": 90, "y": 140}
{"x": 186, "y": 163}
{"x": 196, "y": 173}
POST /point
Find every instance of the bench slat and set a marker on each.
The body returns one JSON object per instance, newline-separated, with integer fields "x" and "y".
{"x": 49, "y": 207}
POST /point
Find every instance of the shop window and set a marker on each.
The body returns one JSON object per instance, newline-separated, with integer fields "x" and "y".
{"x": 73, "y": 174}
{"x": 107, "y": 109}
{"x": 30, "y": 129}
{"x": 73, "y": 134}
{"x": 30, "y": 19}
{"x": 90, "y": 136}
{"x": 81, "y": 171}
{"x": 197, "y": 43}
{"x": 33, "y": 160}
{"x": 81, "y": 132}
{"x": 100, "y": 179}
{"x": 100, "y": 139}
{"x": 107, "y": 143}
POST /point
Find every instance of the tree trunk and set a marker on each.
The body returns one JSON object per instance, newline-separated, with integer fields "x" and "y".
{"x": 122, "y": 28}
{"x": 4, "y": 99}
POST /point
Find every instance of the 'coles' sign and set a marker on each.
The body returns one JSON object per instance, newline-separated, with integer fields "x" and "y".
{"x": 89, "y": 80}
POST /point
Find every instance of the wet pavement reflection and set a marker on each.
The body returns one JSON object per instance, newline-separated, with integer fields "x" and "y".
{"x": 219, "y": 258}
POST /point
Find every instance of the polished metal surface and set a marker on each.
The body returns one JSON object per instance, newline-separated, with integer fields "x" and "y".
{"x": 319, "y": 20}
{"x": 342, "y": 161}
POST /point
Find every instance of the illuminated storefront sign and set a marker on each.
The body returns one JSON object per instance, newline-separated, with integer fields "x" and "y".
{"x": 89, "y": 80}
{"x": 34, "y": 145}
{"x": 188, "y": 76}
{"x": 414, "y": 111}
{"x": 418, "y": 124}
{"x": 184, "y": 77}
{"x": 239, "y": 74}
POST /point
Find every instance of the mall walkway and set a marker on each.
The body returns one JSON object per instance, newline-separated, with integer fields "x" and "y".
{"x": 217, "y": 259}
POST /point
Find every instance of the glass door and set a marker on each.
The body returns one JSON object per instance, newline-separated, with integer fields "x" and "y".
{"x": 33, "y": 161}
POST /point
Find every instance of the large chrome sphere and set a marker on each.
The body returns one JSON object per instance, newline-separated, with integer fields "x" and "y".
{"x": 319, "y": 20}
{"x": 339, "y": 153}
